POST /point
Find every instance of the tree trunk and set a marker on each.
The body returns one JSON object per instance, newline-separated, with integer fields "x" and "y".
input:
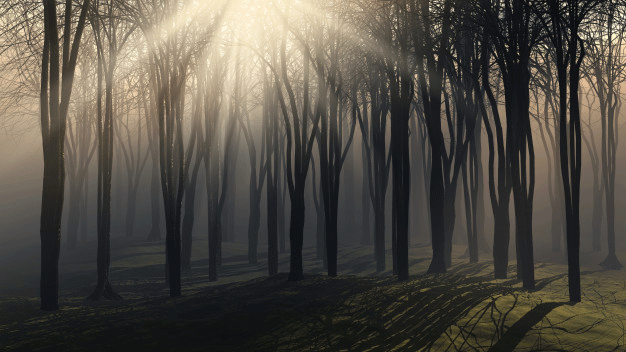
{"x": 296, "y": 231}
{"x": 449, "y": 215}
{"x": 155, "y": 226}
{"x": 188, "y": 222}
{"x": 366, "y": 237}
{"x": 501, "y": 239}
{"x": 379, "y": 234}
{"x": 272, "y": 226}
{"x": 438, "y": 242}
{"x": 254, "y": 223}
{"x": 50, "y": 231}
{"x": 280, "y": 194}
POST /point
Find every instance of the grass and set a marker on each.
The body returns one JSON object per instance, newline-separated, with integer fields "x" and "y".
{"x": 462, "y": 310}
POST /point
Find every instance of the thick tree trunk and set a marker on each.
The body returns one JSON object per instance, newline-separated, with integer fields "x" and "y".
{"x": 254, "y": 223}
{"x": 366, "y": 236}
{"x": 272, "y": 227}
{"x": 55, "y": 96}
{"x": 280, "y": 194}
{"x": 296, "y": 232}
{"x": 438, "y": 242}
{"x": 187, "y": 229}
{"x": 449, "y": 215}
{"x": 501, "y": 239}
{"x": 394, "y": 233}
{"x": 50, "y": 230}
{"x": 331, "y": 237}
{"x": 173, "y": 250}
{"x": 155, "y": 226}
{"x": 379, "y": 234}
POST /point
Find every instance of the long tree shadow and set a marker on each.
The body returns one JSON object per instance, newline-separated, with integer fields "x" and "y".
{"x": 267, "y": 314}
{"x": 515, "y": 334}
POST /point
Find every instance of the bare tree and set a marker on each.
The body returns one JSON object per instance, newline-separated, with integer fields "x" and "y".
{"x": 606, "y": 74}
{"x": 514, "y": 30}
{"x": 566, "y": 20}
{"x": 80, "y": 147}
{"x": 57, "y": 78}
{"x": 107, "y": 26}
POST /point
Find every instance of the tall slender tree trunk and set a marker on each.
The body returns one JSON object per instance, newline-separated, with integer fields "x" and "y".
{"x": 366, "y": 222}
{"x": 296, "y": 230}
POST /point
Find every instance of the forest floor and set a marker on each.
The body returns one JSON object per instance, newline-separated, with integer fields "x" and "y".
{"x": 462, "y": 310}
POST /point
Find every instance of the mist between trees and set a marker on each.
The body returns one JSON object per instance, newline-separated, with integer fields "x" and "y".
{"x": 282, "y": 124}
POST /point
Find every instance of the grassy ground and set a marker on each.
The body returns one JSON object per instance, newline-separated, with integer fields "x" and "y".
{"x": 464, "y": 309}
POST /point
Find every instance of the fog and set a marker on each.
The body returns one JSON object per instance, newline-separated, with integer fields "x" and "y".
{"x": 21, "y": 183}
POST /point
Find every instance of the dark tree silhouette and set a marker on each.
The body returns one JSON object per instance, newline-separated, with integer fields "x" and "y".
{"x": 514, "y": 30}
{"x": 566, "y": 20}
{"x": 257, "y": 174}
{"x": 80, "y": 147}
{"x": 108, "y": 45}
{"x": 332, "y": 149}
{"x": 605, "y": 74}
{"x": 300, "y": 138}
{"x": 135, "y": 159}
{"x": 499, "y": 192}
{"x": 598, "y": 186}
{"x": 431, "y": 60}
{"x": 57, "y": 77}
{"x": 548, "y": 121}
{"x": 191, "y": 181}
{"x": 373, "y": 126}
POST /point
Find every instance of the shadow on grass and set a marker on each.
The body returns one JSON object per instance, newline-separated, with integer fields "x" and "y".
{"x": 267, "y": 314}
{"x": 517, "y": 331}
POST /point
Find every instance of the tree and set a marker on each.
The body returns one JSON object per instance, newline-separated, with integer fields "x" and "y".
{"x": 272, "y": 167}
{"x": 131, "y": 147}
{"x": 373, "y": 126}
{"x": 514, "y": 30}
{"x": 467, "y": 140}
{"x": 332, "y": 150}
{"x": 300, "y": 133}
{"x": 431, "y": 61}
{"x": 57, "y": 78}
{"x": 257, "y": 174}
{"x": 606, "y": 75}
{"x": 80, "y": 147}
{"x": 546, "y": 83}
{"x": 211, "y": 87}
{"x": 170, "y": 53}
{"x": 193, "y": 146}
{"x": 596, "y": 169}
{"x": 106, "y": 25}
{"x": 566, "y": 19}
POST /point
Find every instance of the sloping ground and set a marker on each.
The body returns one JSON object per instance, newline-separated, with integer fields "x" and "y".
{"x": 462, "y": 310}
